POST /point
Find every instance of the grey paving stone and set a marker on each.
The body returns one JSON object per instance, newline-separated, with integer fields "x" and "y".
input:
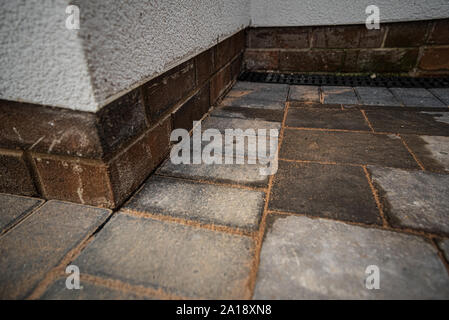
{"x": 222, "y": 124}
{"x": 302, "y": 104}
{"x": 305, "y": 258}
{"x": 376, "y": 96}
{"x": 332, "y": 191}
{"x": 198, "y": 201}
{"x": 89, "y": 291}
{"x": 248, "y": 113}
{"x": 351, "y": 119}
{"x": 346, "y": 147}
{"x": 39, "y": 243}
{"x": 305, "y": 93}
{"x": 432, "y": 151}
{"x": 235, "y": 173}
{"x": 409, "y": 122}
{"x": 416, "y": 97}
{"x": 442, "y": 94}
{"x": 416, "y": 199}
{"x": 13, "y": 208}
{"x": 343, "y": 95}
{"x": 253, "y": 102}
{"x": 444, "y": 245}
{"x": 182, "y": 260}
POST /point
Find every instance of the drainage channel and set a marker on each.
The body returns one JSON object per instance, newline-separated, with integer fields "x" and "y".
{"x": 350, "y": 81}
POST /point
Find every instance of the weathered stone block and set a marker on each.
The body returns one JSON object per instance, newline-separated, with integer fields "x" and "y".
{"x": 435, "y": 59}
{"x": 182, "y": 260}
{"x": 34, "y": 247}
{"x": 305, "y": 258}
{"x": 346, "y": 147}
{"x": 311, "y": 60}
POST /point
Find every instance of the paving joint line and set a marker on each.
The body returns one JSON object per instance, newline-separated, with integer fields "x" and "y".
{"x": 376, "y": 197}
{"x": 345, "y": 164}
{"x": 340, "y": 130}
{"x": 191, "y": 223}
{"x": 262, "y": 228}
{"x": 55, "y": 272}
{"x": 419, "y": 233}
{"x": 415, "y": 157}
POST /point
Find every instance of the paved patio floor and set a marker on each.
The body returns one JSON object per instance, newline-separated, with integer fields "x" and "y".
{"x": 360, "y": 200}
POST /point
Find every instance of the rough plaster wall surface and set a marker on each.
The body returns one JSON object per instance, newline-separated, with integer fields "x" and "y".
{"x": 40, "y": 60}
{"x": 271, "y": 13}
{"x": 120, "y": 45}
{"x": 129, "y": 42}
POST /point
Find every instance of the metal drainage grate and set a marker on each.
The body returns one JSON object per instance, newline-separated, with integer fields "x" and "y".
{"x": 350, "y": 81}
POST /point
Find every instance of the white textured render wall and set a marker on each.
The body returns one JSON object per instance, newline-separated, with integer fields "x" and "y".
{"x": 124, "y": 43}
{"x": 271, "y": 13}
{"x": 120, "y": 44}
{"x": 128, "y": 42}
{"x": 40, "y": 60}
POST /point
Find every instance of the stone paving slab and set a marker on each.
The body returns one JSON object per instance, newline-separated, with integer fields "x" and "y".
{"x": 14, "y": 208}
{"x": 300, "y": 104}
{"x": 222, "y": 124}
{"x": 432, "y": 151}
{"x": 89, "y": 291}
{"x": 332, "y": 191}
{"x": 253, "y": 103}
{"x": 260, "y": 87}
{"x": 245, "y": 148}
{"x": 351, "y": 119}
{"x": 342, "y": 95}
{"x": 416, "y": 97}
{"x": 415, "y": 199}
{"x": 409, "y": 122}
{"x": 346, "y": 147}
{"x": 305, "y": 93}
{"x": 305, "y": 258}
{"x": 40, "y": 242}
{"x": 201, "y": 202}
{"x": 444, "y": 245}
{"x": 182, "y": 260}
{"x": 442, "y": 94}
{"x": 259, "y": 91}
{"x": 376, "y": 96}
{"x": 235, "y": 173}
{"x": 248, "y": 113}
